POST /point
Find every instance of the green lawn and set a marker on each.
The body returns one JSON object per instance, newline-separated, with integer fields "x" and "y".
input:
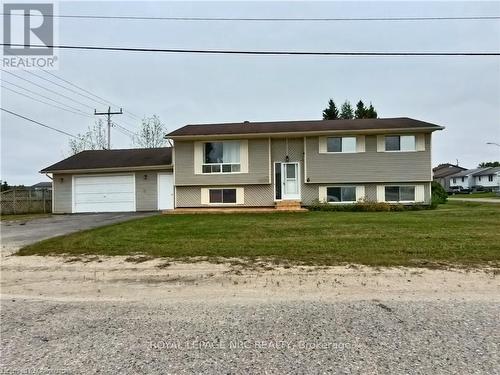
{"x": 22, "y": 217}
{"x": 477, "y": 195}
{"x": 458, "y": 233}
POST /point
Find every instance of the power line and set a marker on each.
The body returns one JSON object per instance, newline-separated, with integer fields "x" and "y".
{"x": 261, "y": 19}
{"x": 255, "y": 52}
{"x": 38, "y": 123}
{"x": 125, "y": 129}
{"x": 45, "y": 88}
{"x": 78, "y": 112}
{"x": 43, "y": 102}
{"x": 104, "y": 101}
{"x": 62, "y": 86}
{"x": 45, "y": 97}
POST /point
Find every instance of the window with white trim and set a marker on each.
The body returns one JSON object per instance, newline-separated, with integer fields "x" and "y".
{"x": 400, "y": 193}
{"x": 221, "y": 157}
{"x": 490, "y": 178}
{"x": 341, "y": 144}
{"x": 400, "y": 143}
{"x": 338, "y": 194}
{"x": 222, "y": 195}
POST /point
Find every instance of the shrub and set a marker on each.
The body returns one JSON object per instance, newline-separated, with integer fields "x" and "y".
{"x": 439, "y": 195}
{"x": 366, "y": 206}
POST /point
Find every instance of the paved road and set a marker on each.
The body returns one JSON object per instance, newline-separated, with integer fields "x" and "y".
{"x": 479, "y": 200}
{"x": 20, "y": 233}
{"x": 368, "y": 337}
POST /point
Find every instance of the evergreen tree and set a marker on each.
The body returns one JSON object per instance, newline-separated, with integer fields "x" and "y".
{"x": 371, "y": 112}
{"x": 346, "y": 112}
{"x": 5, "y": 186}
{"x": 360, "y": 111}
{"x": 331, "y": 112}
{"x": 486, "y": 164}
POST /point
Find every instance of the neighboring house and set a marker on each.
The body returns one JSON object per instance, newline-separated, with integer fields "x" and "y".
{"x": 260, "y": 164}
{"x": 465, "y": 179}
{"x": 488, "y": 178}
{"x": 42, "y": 185}
{"x": 442, "y": 173}
{"x": 113, "y": 181}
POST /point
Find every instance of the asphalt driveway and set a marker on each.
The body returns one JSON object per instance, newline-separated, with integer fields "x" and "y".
{"x": 15, "y": 234}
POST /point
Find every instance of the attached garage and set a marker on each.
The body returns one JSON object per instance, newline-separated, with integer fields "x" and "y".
{"x": 125, "y": 180}
{"x": 107, "y": 193}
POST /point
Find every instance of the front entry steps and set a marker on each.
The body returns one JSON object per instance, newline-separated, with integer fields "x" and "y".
{"x": 281, "y": 206}
{"x": 289, "y": 205}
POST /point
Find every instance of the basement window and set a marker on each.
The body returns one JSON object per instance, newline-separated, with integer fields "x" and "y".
{"x": 341, "y": 194}
{"x": 222, "y": 195}
{"x": 400, "y": 193}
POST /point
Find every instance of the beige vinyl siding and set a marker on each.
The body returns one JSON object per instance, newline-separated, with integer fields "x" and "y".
{"x": 258, "y": 165}
{"x": 146, "y": 190}
{"x": 253, "y": 195}
{"x": 61, "y": 193}
{"x": 369, "y": 166}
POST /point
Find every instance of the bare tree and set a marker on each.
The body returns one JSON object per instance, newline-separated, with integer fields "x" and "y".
{"x": 151, "y": 133}
{"x": 93, "y": 139}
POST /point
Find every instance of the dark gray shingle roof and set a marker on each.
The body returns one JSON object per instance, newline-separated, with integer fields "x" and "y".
{"x": 488, "y": 171}
{"x": 96, "y": 159}
{"x": 468, "y": 172}
{"x": 301, "y": 126}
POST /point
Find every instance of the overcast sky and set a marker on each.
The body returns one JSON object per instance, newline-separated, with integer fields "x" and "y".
{"x": 461, "y": 93}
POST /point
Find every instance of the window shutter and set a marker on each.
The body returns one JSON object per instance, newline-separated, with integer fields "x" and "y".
{"x": 205, "y": 197}
{"x": 240, "y": 195}
{"x": 198, "y": 157}
{"x": 380, "y": 143}
{"x": 322, "y": 145}
{"x": 360, "y": 143}
{"x": 322, "y": 194}
{"x": 420, "y": 142}
{"x": 360, "y": 193}
{"x": 380, "y": 193}
{"x": 419, "y": 193}
{"x": 244, "y": 156}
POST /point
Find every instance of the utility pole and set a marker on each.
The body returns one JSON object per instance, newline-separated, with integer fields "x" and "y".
{"x": 109, "y": 113}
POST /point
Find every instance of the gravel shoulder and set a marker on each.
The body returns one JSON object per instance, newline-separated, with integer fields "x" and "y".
{"x": 131, "y": 279}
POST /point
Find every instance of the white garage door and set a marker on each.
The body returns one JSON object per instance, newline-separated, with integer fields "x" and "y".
{"x": 104, "y": 193}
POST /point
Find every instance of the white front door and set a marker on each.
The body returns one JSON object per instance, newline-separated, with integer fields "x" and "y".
{"x": 290, "y": 180}
{"x": 165, "y": 191}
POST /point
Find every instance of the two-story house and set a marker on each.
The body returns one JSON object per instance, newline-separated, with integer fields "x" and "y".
{"x": 465, "y": 179}
{"x": 488, "y": 178}
{"x": 257, "y": 164}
